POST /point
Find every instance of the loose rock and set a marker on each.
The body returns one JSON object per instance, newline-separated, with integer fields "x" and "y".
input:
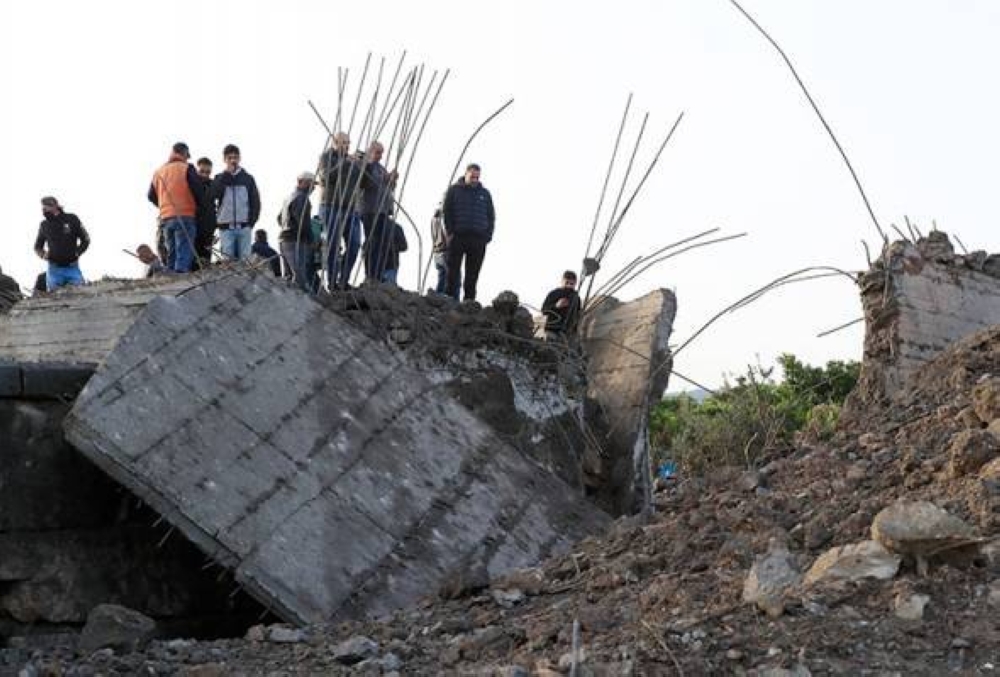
{"x": 770, "y": 579}
{"x": 116, "y": 627}
{"x": 867, "y": 559}
{"x": 919, "y": 528}
{"x": 910, "y": 607}
{"x": 970, "y": 450}
{"x": 355, "y": 650}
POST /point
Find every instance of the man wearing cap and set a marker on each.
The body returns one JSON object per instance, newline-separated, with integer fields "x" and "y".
{"x": 296, "y": 240}
{"x": 177, "y": 191}
{"x": 61, "y": 240}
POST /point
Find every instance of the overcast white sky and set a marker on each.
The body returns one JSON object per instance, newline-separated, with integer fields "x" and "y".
{"x": 94, "y": 94}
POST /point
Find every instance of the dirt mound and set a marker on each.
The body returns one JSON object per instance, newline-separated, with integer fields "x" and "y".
{"x": 664, "y": 595}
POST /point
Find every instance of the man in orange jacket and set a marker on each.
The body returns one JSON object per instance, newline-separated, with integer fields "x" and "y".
{"x": 176, "y": 190}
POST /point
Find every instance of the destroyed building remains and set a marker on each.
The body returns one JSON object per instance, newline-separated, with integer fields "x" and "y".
{"x": 334, "y": 458}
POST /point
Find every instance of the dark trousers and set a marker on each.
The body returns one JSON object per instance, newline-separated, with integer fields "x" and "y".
{"x": 472, "y": 249}
{"x": 376, "y": 245}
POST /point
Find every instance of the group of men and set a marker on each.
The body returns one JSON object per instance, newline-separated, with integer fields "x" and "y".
{"x": 356, "y": 214}
{"x": 194, "y": 206}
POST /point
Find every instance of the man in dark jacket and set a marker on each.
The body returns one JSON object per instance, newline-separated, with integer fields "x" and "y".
{"x": 237, "y": 201}
{"x": 342, "y": 178}
{"x": 61, "y": 240}
{"x": 561, "y": 308}
{"x": 376, "y": 195}
{"x": 205, "y": 217}
{"x": 387, "y": 241}
{"x": 468, "y": 222}
{"x": 296, "y": 240}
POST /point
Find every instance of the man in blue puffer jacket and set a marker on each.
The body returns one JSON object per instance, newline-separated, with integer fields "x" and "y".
{"x": 468, "y": 224}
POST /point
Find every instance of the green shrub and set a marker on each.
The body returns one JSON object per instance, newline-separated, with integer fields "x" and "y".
{"x": 743, "y": 421}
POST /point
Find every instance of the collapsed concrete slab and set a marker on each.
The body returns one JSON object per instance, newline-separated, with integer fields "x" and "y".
{"x": 628, "y": 367}
{"x": 318, "y": 465}
{"x": 919, "y": 298}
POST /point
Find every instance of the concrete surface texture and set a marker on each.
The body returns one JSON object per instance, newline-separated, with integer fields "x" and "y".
{"x": 82, "y": 324}
{"x": 316, "y": 463}
{"x": 628, "y": 366}
{"x": 919, "y": 299}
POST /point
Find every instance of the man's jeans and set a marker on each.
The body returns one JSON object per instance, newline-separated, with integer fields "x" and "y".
{"x": 299, "y": 266}
{"x": 235, "y": 243}
{"x": 179, "y": 233}
{"x": 346, "y": 225}
{"x": 61, "y": 276}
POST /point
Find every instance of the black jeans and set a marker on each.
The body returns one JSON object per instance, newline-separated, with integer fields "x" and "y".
{"x": 472, "y": 248}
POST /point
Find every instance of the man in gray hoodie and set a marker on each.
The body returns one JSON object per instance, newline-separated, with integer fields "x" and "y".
{"x": 237, "y": 203}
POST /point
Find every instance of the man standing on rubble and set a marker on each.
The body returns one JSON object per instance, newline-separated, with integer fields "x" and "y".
{"x": 341, "y": 177}
{"x": 376, "y": 201}
{"x": 61, "y": 240}
{"x": 468, "y": 221}
{"x": 561, "y": 309}
{"x": 177, "y": 191}
{"x": 295, "y": 240}
{"x": 238, "y": 206}
{"x": 206, "y": 216}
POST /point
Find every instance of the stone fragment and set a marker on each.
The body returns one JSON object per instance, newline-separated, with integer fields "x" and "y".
{"x": 531, "y": 581}
{"x": 986, "y": 399}
{"x": 770, "y": 579}
{"x": 566, "y": 660}
{"x": 284, "y": 634}
{"x": 919, "y": 528}
{"x": 967, "y": 418}
{"x": 970, "y": 450}
{"x": 991, "y": 471}
{"x": 116, "y": 627}
{"x": 507, "y": 598}
{"x": 993, "y": 596}
{"x": 867, "y": 559}
{"x": 355, "y": 650}
{"x": 910, "y": 607}
{"x": 206, "y": 670}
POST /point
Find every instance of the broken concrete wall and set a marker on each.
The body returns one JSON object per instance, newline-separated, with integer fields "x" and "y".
{"x": 319, "y": 465}
{"x": 71, "y": 538}
{"x": 918, "y": 300}
{"x": 628, "y": 367}
{"x": 80, "y": 325}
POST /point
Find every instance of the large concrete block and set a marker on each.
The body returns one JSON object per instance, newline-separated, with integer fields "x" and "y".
{"x": 317, "y": 464}
{"x": 628, "y": 367}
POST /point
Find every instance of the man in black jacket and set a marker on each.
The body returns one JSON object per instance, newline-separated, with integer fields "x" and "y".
{"x": 205, "y": 218}
{"x": 61, "y": 240}
{"x": 468, "y": 222}
{"x": 296, "y": 240}
{"x": 561, "y": 308}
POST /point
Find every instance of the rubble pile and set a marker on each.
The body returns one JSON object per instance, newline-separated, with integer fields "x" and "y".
{"x": 874, "y": 553}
